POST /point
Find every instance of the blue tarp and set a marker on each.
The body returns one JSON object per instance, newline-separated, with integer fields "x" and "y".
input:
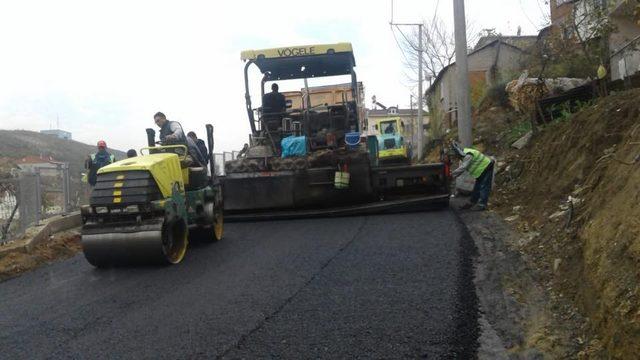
{"x": 294, "y": 146}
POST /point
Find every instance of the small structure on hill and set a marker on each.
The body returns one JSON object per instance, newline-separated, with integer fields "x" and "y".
{"x": 61, "y": 134}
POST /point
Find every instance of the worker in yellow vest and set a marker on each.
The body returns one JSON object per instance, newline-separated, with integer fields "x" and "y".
{"x": 480, "y": 167}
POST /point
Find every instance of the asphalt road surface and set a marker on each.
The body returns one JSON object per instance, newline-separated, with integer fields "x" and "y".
{"x": 394, "y": 286}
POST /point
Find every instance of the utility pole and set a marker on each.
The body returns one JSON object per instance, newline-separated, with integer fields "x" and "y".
{"x": 413, "y": 124}
{"x": 420, "y": 95}
{"x": 464, "y": 109}
{"x": 420, "y": 132}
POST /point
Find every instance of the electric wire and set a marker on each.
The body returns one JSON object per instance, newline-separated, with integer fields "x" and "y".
{"x": 399, "y": 46}
{"x": 524, "y": 12}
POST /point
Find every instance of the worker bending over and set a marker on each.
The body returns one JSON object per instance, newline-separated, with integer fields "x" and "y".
{"x": 480, "y": 167}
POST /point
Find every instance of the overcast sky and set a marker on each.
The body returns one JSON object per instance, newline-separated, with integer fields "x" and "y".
{"x": 105, "y": 67}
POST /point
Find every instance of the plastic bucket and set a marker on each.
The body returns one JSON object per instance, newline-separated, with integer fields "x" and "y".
{"x": 341, "y": 180}
{"x": 352, "y": 140}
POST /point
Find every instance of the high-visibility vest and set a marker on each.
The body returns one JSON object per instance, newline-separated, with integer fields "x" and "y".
{"x": 112, "y": 159}
{"x": 479, "y": 162}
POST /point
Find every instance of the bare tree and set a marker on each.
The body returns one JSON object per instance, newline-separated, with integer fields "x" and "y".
{"x": 591, "y": 25}
{"x": 438, "y": 47}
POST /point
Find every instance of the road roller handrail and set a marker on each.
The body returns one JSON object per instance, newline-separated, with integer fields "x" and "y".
{"x": 163, "y": 147}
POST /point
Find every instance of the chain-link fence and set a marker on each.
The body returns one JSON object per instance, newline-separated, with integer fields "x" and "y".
{"x": 19, "y": 205}
{"x": 34, "y": 195}
{"x": 8, "y": 206}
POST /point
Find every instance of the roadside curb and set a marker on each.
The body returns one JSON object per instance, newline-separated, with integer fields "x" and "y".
{"x": 468, "y": 327}
{"x": 517, "y": 316}
{"x": 491, "y": 336}
{"x": 40, "y": 234}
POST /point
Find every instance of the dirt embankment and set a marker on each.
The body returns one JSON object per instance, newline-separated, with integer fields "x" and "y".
{"x": 61, "y": 246}
{"x": 574, "y": 193}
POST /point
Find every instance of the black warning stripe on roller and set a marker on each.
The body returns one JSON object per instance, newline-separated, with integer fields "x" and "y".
{"x": 124, "y": 200}
{"x": 118, "y": 184}
{"x": 125, "y": 175}
{"x": 125, "y": 188}
{"x": 128, "y": 191}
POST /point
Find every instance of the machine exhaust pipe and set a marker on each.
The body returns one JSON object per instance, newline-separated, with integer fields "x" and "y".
{"x": 151, "y": 137}
{"x": 210, "y": 147}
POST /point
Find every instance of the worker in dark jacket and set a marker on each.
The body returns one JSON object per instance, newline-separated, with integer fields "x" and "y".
{"x": 98, "y": 160}
{"x": 480, "y": 167}
{"x": 273, "y": 102}
{"x": 171, "y": 133}
{"x": 200, "y": 144}
{"x": 274, "y": 106}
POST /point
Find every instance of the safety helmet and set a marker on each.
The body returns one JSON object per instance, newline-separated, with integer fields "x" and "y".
{"x": 102, "y": 144}
{"x": 457, "y": 148}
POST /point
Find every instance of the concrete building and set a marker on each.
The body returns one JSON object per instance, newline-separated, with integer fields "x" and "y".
{"x": 58, "y": 133}
{"x": 525, "y": 42}
{"x": 561, "y": 11}
{"x": 491, "y": 62}
{"x": 46, "y": 165}
{"x": 408, "y": 116}
{"x": 624, "y": 43}
{"x": 324, "y": 95}
{"x": 328, "y": 95}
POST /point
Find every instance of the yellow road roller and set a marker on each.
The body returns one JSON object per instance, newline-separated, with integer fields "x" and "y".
{"x": 145, "y": 209}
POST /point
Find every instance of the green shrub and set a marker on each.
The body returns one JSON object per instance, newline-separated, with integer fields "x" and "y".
{"x": 517, "y": 131}
{"x": 567, "y": 109}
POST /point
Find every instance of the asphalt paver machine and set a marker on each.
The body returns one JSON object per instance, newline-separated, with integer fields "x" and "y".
{"x": 339, "y": 172}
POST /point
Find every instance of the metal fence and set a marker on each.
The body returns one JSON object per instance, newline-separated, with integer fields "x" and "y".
{"x": 218, "y": 163}
{"x": 219, "y": 159}
{"x": 35, "y": 195}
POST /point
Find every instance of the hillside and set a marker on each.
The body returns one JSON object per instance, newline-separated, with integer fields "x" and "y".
{"x": 16, "y": 144}
{"x": 580, "y": 180}
{"x": 573, "y": 195}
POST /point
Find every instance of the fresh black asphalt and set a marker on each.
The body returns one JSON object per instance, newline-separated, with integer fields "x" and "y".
{"x": 393, "y": 286}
